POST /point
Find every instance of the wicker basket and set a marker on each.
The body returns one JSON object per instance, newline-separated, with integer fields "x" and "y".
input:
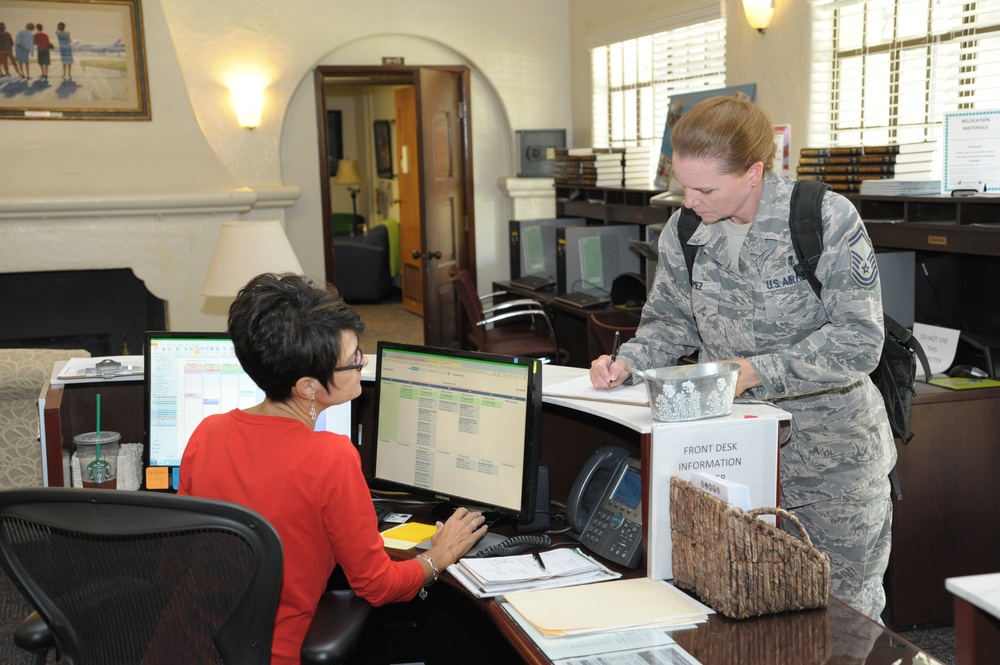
{"x": 739, "y": 565}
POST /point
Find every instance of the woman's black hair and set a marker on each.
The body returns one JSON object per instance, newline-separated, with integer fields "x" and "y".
{"x": 284, "y": 328}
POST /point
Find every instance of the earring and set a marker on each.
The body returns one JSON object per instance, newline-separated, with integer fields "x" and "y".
{"x": 312, "y": 408}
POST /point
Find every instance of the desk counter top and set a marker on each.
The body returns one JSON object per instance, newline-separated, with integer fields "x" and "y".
{"x": 983, "y": 591}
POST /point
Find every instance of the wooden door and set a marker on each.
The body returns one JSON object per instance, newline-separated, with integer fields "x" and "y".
{"x": 446, "y": 206}
{"x": 408, "y": 183}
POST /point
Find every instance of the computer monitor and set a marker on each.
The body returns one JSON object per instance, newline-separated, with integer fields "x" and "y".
{"x": 533, "y": 245}
{"x": 589, "y": 258}
{"x": 188, "y": 376}
{"x": 459, "y": 427}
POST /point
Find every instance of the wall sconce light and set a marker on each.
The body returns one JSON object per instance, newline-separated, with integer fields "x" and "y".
{"x": 248, "y": 97}
{"x": 759, "y": 13}
{"x": 245, "y": 250}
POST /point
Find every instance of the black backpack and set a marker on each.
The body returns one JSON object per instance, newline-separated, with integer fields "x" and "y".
{"x": 897, "y": 367}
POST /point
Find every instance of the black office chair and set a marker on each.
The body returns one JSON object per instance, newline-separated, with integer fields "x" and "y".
{"x": 141, "y": 577}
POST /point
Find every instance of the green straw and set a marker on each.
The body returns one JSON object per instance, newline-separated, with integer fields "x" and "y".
{"x": 97, "y": 453}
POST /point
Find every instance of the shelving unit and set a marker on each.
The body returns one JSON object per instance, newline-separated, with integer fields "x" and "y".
{"x": 963, "y": 225}
{"x": 630, "y": 206}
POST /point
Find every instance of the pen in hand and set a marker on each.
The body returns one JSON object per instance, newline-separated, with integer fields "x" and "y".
{"x": 538, "y": 558}
{"x": 614, "y": 352}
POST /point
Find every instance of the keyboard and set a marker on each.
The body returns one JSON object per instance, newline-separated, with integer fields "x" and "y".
{"x": 582, "y": 300}
{"x": 534, "y": 282}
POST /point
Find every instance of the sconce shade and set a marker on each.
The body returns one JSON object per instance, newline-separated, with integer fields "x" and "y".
{"x": 759, "y": 13}
{"x": 347, "y": 173}
{"x": 245, "y": 250}
{"x": 248, "y": 97}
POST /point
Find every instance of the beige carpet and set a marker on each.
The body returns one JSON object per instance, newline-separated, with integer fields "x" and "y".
{"x": 388, "y": 321}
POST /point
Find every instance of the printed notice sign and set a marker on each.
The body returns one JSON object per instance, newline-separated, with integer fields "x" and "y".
{"x": 742, "y": 451}
{"x": 972, "y": 151}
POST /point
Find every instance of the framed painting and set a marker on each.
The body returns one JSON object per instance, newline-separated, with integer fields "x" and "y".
{"x": 74, "y": 59}
{"x": 383, "y": 148}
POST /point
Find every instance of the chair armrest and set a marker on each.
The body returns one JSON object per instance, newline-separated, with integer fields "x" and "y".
{"x": 524, "y": 304}
{"x": 33, "y": 635}
{"x": 506, "y": 316}
{"x": 336, "y": 628}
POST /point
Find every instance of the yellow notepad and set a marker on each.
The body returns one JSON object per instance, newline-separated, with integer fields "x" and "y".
{"x": 405, "y": 536}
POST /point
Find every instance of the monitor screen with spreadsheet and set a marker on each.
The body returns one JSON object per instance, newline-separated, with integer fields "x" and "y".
{"x": 460, "y": 427}
{"x": 191, "y": 375}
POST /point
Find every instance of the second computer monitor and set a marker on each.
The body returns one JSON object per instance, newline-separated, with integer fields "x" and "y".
{"x": 589, "y": 258}
{"x": 533, "y": 245}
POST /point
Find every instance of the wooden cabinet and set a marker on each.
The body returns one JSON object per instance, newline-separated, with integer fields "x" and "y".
{"x": 946, "y": 524}
{"x": 964, "y": 225}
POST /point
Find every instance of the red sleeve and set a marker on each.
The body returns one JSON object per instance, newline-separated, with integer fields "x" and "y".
{"x": 357, "y": 545}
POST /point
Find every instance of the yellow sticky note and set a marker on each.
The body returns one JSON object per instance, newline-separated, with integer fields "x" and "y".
{"x": 157, "y": 478}
{"x": 412, "y": 532}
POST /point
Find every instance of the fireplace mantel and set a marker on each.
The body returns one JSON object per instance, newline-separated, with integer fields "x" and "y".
{"x": 166, "y": 238}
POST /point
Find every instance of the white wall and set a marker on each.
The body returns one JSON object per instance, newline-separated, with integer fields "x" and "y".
{"x": 517, "y": 50}
{"x": 177, "y": 177}
{"x": 778, "y": 61}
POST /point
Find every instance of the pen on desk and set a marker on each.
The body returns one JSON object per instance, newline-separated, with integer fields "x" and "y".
{"x": 538, "y": 558}
{"x": 614, "y": 352}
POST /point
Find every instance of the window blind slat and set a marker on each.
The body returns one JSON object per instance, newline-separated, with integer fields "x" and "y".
{"x": 916, "y": 60}
{"x": 634, "y": 79}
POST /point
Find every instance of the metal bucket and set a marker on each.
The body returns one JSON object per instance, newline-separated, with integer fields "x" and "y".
{"x": 691, "y": 392}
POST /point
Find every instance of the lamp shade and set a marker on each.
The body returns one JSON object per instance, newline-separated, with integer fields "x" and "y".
{"x": 245, "y": 250}
{"x": 759, "y": 13}
{"x": 347, "y": 173}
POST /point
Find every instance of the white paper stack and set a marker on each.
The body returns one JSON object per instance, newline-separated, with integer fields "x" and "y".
{"x": 730, "y": 491}
{"x": 495, "y": 576}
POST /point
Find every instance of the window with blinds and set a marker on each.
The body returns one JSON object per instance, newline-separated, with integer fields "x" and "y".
{"x": 633, "y": 79}
{"x": 887, "y": 71}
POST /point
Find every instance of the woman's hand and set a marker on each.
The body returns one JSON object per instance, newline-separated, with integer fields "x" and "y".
{"x": 606, "y": 374}
{"x": 455, "y": 537}
{"x": 747, "y": 378}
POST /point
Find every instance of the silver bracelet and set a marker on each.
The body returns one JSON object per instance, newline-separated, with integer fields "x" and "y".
{"x": 434, "y": 570}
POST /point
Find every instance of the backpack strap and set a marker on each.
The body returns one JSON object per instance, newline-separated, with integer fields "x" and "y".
{"x": 687, "y": 224}
{"x": 806, "y": 225}
{"x": 906, "y": 338}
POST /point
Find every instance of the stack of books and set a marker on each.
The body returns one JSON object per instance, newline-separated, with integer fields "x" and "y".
{"x": 638, "y": 167}
{"x": 574, "y": 166}
{"x": 604, "y": 167}
{"x": 844, "y": 168}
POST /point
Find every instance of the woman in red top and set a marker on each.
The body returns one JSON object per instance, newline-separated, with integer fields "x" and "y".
{"x": 42, "y": 46}
{"x": 300, "y": 346}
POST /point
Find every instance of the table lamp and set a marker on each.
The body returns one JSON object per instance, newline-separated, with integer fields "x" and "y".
{"x": 245, "y": 250}
{"x": 348, "y": 174}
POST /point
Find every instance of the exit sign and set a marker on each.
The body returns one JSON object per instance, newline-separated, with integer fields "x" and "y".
{"x": 392, "y": 61}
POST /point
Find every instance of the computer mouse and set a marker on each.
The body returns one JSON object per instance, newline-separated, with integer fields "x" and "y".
{"x": 967, "y": 372}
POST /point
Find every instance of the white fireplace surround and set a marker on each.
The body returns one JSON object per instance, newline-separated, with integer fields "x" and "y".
{"x": 166, "y": 239}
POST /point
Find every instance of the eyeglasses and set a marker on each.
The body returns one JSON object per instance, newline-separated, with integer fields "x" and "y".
{"x": 359, "y": 362}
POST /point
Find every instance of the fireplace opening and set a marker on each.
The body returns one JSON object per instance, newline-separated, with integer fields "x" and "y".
{"x": 106, "y": 312}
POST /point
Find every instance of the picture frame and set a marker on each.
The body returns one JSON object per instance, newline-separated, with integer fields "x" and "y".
{"x": 96, "y": 67}
{"x": 383, "y": 148}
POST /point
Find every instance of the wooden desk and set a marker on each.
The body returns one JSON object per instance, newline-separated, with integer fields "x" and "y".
{"x": 977, "y": 618}
{"x": 835, "y": 634}
{"x": 569, "y": 322}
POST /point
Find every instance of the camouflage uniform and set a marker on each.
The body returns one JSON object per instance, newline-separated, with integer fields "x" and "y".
{"x": 813, "y": 359}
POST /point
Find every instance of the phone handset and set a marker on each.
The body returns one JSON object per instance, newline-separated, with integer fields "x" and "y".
{"x": 604, "y": 508}
{"x": 589, "y": 486}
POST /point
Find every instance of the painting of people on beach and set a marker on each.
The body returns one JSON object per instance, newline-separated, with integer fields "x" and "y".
{"x": 72, "y": 59}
